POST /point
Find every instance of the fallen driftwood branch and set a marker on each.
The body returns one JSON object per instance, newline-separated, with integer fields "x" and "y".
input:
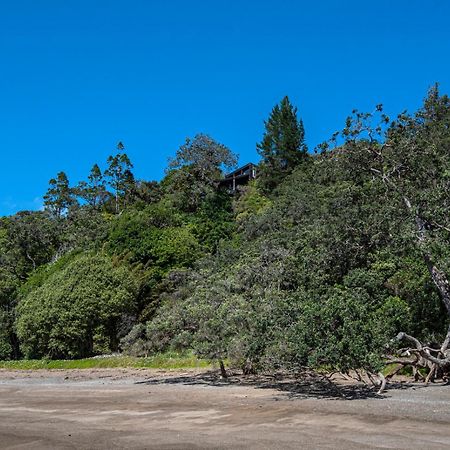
{"x": 382, "y": 384}
{"x": 436, "y": 360}
{"x": 442, "y": 358}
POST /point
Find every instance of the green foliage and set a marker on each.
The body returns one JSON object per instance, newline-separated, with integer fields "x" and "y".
{"x": 213, "y": 221}
{"x": 93, "y": 192}
{"x": 77, "y": 310}
{"x": 251, "y": 202}
{"x": 343, "y": 329}
{"x": 83, "y": 229}
{"x": 44, "y": 272}
{"x": 6, "y": 348}
{"x": 205, "y": 156}
{"x": 119, "y": 177}
{"x": 60, "y": 196}
{"x": 324, "y": 273}
{"x": 154, "y": 237}
{"x": 146, "y": 192}
{"x": 283, "y": 146}
{"x": 29, "y": 239}
{"x": 331, "y": 270}
{"x": 194, "y": 172}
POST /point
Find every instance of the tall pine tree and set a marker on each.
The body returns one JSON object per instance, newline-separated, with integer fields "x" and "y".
{"x": 283, "y": 146}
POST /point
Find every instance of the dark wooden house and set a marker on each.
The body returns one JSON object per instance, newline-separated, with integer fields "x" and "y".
{"x": 239, "y": 177}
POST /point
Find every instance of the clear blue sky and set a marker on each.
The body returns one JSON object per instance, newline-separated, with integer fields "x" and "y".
{"x": 77, "y": 76}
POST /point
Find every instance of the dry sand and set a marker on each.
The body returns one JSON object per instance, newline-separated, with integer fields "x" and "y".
{"x": 109, "y": 409}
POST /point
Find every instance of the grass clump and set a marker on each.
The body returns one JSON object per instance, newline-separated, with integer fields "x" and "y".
{"x": 160, "y": 361}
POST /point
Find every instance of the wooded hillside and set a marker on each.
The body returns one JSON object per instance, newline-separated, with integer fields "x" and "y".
{"x": 332, "y": 259}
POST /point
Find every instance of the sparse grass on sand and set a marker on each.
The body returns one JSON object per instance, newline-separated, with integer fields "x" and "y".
{"x": 160, "y": 361}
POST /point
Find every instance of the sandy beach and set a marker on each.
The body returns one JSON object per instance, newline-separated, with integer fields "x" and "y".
{"x": 151, "y": 409}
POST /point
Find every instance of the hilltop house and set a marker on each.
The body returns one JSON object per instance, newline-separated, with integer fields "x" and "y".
{"x": 239, "y": 177}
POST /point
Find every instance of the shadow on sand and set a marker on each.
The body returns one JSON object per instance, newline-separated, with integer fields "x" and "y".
{"x": 301, "y": 387}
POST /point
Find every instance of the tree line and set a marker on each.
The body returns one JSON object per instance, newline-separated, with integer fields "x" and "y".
{"x": 331, "y": 259}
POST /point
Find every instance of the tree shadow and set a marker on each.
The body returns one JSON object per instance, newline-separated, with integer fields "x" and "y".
{"x": 303, "y": 386}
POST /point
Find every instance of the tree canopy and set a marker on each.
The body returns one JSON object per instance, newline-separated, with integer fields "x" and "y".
{"x": 326, "y": 260}
{"x": 75, "y": 311}
{"x": 283, "y": 145}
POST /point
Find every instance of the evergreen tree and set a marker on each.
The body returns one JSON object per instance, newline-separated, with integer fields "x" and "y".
{"x": 283, "y": 146}
{"x": 60, "y": 196}
{"x": 119, "y": 176}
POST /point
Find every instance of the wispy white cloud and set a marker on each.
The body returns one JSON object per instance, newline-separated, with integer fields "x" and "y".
{"x": 38, "y": 203}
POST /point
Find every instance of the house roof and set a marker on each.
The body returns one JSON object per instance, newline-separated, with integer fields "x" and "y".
{"x": 239, "y": 170}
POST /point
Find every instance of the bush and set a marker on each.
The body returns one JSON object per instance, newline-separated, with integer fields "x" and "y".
{"x": 76, "y": 312}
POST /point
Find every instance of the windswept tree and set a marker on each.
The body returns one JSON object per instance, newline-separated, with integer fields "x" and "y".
{"x": 410, "y": 158}
{"x": 120, "y": 177}
{"x": 60, "y": 196}
{"x": 283, "y": 145}
{"x": 195, "y": 170}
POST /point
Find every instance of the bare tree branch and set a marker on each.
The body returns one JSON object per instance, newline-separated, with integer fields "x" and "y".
{"x": 441, "y": 362}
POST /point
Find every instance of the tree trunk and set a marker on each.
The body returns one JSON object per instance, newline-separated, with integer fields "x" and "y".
{"x": 223, "y": 372}
{"x": 439, "y": 278}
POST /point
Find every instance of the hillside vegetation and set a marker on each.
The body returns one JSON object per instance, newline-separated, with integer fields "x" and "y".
{"x": 330, "y": 259}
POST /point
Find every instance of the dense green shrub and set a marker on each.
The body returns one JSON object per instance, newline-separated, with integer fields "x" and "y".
{"x": 77, "y": 310}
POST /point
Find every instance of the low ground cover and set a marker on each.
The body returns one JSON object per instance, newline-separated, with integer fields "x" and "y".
{"x": 160, "y": 361}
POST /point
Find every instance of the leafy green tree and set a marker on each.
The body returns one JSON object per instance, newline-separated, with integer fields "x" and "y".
{"x": 411, "y": 159}
{"x": 283, "y": 145}
{"x": 60, "y": 196}
{"x": 76, "y": 312}
{"x": 31, "y": 239}
{"x": 196, "y": 170}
